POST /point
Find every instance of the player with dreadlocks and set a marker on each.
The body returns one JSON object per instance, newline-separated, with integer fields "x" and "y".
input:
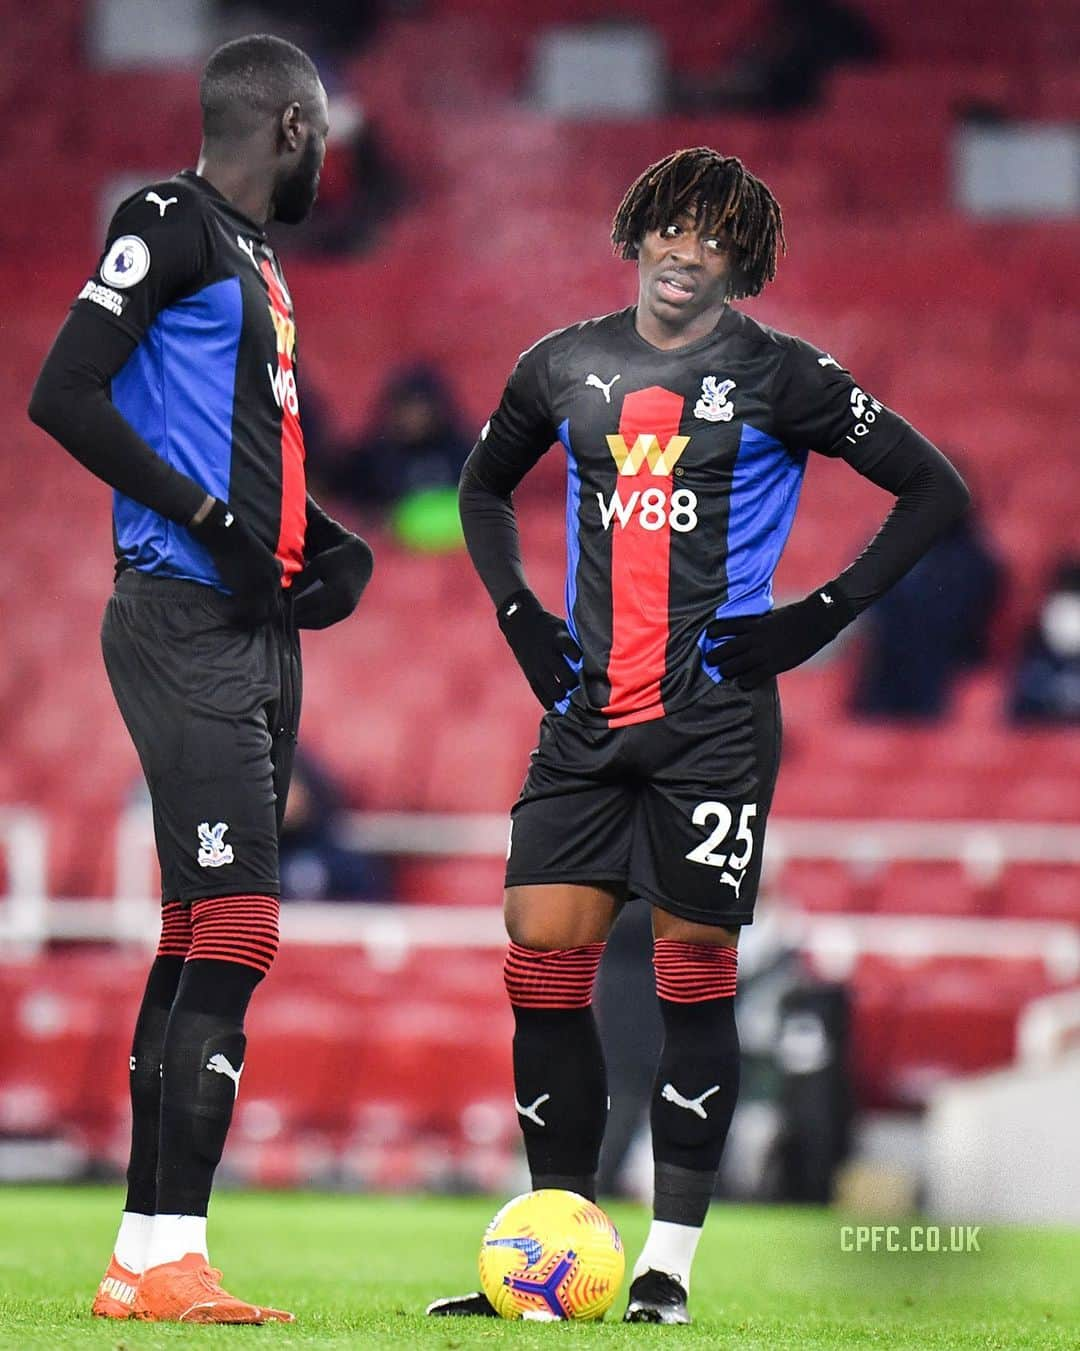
{"x": 716, "y": 191}
{"x": 686, "y": 426}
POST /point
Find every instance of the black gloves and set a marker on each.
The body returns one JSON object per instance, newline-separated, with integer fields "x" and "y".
{"x": 762, "y": 646}
{"x": 330, "y": 587}
{"x": 542, "y": 644}
{"x": 326, "y": 591}
{"x": 245, "y": 565}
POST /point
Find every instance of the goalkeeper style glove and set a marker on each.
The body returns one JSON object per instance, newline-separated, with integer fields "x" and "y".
{"x": 543, "y": 646}
{"x": 244, "y": 564}
{"x": 329, "y": 588}
{"x": 751, "y": 650}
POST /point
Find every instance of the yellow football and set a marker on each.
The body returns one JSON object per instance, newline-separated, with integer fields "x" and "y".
{"x": 551, "y": 1254}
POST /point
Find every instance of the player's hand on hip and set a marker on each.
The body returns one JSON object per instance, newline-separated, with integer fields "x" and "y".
{"x": 245, "y": 565}
{"x": 329, "y": 588}
{"x": 543, "y": 645}
{"x": 753, "y": 649}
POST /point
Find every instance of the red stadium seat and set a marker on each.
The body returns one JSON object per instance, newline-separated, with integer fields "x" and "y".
{"x": 825, "y": 885}
{"x": 918, "y": 1022}
{"x": 929, "y": 888}
{"x": 1041, "y": 795}
{"x": 1040, "y": 891}
{"x": 51, "y": 1052}
{"x": 292, "y": 1086}
{"x": 463, "y": 881}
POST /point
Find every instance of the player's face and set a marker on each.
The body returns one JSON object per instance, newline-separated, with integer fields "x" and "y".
{"x": 298, "y": 187}
{"x": 684, "y": 271}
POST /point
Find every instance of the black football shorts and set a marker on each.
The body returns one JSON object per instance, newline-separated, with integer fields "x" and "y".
{"x": 212, "y": 710}
{"x": 671, "y": 810}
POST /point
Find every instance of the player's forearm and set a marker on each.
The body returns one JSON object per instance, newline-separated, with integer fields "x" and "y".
{"x": 491, "y": 534}
{"x": 930, "y": 495}
{"x": 70, "y": 402}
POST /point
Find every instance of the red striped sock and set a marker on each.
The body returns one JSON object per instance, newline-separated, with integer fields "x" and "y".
{"x": 175, "y": 930}
{"x": 241, "y": 929}
{"x": 688, "y": 973}
{"x": 562, "y": 979}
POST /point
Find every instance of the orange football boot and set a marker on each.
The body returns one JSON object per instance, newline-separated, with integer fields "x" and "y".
{"x": 115, "y": 1296}
{"x": 189, "y": 1291}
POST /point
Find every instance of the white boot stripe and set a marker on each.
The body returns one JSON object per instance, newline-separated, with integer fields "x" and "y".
{"x": 118, "y": 1289}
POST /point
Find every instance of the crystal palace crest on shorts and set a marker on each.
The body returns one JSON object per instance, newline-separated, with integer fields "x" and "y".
{"x": 213, "y": 851}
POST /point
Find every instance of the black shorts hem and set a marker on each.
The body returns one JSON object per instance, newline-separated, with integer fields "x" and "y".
{"x": 680, "y": 911}
{"x": 584, "y": 878}
{"x": 577, "y": 876}
{"x": 216, "y": 894}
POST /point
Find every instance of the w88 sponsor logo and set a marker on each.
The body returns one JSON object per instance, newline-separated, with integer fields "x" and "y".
{"x": 283, "y": 388}
{"x": 654, "y": 509}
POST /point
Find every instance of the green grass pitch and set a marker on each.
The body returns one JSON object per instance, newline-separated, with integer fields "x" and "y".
{"x": 358, "y": 1271}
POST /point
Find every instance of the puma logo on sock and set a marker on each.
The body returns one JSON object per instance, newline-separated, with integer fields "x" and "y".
{"x": 532, "y": 1112}
{"x": 671, "y": 1094}
{"x": 220, "y": 1065}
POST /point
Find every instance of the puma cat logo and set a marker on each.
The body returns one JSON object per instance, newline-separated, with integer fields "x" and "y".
{"x": 532, "y": 1112}
{"x": 162, "y": 203}
{"x": 220, "y": 1065}
{"x": 594, "y": 382}
{"x": 671, "y": 1094}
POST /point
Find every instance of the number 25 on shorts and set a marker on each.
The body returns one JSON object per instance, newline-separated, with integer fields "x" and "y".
{"x": 704, "y": 814}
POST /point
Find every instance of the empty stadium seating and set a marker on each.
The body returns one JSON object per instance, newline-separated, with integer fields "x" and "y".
{"x": 342, "y": 1061}
{"x": 351, "y": 1067}
{"x": 969, "y": 329}
{"x": 917, "y": 300}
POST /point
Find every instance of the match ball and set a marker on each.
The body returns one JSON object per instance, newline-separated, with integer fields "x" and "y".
{"x": 551, "y": 1254}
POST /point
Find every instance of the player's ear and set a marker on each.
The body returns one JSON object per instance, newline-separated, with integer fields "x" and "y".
{"x": 291, "y": 126}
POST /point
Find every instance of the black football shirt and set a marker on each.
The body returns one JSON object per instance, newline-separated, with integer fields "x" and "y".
{"x": 683, "y": 474}
{"x": 211, "y": 385}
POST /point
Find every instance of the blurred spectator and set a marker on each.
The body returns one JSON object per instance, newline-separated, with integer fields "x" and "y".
{"x": 318, "y": 434}
{"x": 930, "y": 627}
{"x": 787, "y": 62}
{"x": 1047, "y": 683}
{"x": 315, "y": 864}
{"x": 409, "y": 460}
{"x": 415, "y": 441}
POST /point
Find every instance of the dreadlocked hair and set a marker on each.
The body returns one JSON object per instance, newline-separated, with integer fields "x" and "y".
{"x": 718, "y": 193}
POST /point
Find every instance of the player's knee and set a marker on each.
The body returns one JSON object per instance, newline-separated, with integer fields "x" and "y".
{"x": 239, "y": 929}
{"x": 551, "y": 918}
{"x": 560, "y": 979}
{"x": 548, "y": 933}
{"x": 690, "y": 973}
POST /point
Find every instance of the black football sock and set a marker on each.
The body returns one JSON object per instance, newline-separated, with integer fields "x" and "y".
{"x": 697, "y": 1086}
{"x": 560, "y": 1082}
{"x": 697, "y": 1082}
{"x": 560, "y": 1087}
{"x": 144, "y": 1079}
{"x": 200, "y": 1078}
